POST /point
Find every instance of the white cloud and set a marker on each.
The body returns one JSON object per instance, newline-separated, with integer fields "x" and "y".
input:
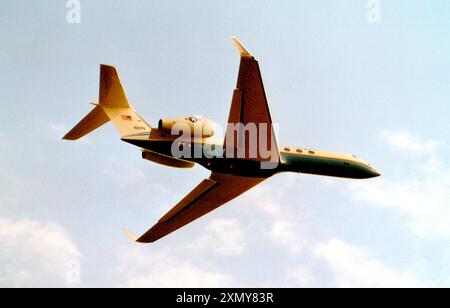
{"x": 423, "y": 195}
{"x": 302, "y": 277}
{"x": 426, "y": 202}
{"x": 34, "y": 253}
{"x": 407, "y": 142}
{"x": 223, "y": 237}
{"x": 187, "y": 265}
{"x": 356, "y": 267}
{"x": 284, "y": 231}
{"x": 139, "y": 267}
{"x": 267, "y": 200}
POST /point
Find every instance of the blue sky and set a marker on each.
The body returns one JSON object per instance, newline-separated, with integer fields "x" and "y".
{"x": 334, "y": 81}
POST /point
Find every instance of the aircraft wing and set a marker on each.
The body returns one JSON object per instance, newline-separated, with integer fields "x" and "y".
{"x": 250, "y": 107}
{"x": 206, "y": 197}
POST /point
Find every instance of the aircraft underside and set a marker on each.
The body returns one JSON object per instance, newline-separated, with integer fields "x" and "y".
{"x": 213, "y": 158}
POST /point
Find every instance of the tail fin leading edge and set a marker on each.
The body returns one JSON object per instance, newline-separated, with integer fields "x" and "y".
{"x": 113, "y": 106}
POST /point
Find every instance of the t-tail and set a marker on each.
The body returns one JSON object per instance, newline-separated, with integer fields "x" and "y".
{"x": 113, "y": 105}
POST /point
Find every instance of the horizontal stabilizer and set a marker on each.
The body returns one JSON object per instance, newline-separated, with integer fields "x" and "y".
{"x": 95, "y": 119}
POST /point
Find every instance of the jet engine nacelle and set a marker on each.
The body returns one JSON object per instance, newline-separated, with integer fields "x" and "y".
{"x": 198, "y": 127}
{"x": 166, "y": 160}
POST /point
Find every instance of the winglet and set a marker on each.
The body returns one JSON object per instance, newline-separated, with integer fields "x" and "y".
{"x": 130, "y": 235}
{"x": 244, "y": 52}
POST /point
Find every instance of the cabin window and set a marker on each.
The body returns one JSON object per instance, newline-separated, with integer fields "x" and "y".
{"x": 287, "y": 149}
{"x": 299, "y": 151}
{"x": 312, "y": 152}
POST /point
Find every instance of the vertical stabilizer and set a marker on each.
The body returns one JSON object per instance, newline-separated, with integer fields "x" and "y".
{"x": 113, "y": 106}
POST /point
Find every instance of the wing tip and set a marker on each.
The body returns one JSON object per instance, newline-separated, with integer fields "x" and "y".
{"x": 71, "y": 136}
{"x": 141, "y": 240}
{"x": 68, "y": 138}
{"x": 130, "y": 235}
{"x": 240, "y": 47}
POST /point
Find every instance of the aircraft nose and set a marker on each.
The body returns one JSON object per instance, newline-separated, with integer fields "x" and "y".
{"x": 374, "y": 173}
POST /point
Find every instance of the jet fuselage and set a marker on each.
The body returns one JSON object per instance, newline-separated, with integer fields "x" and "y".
{"x": 211, "y": 156}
